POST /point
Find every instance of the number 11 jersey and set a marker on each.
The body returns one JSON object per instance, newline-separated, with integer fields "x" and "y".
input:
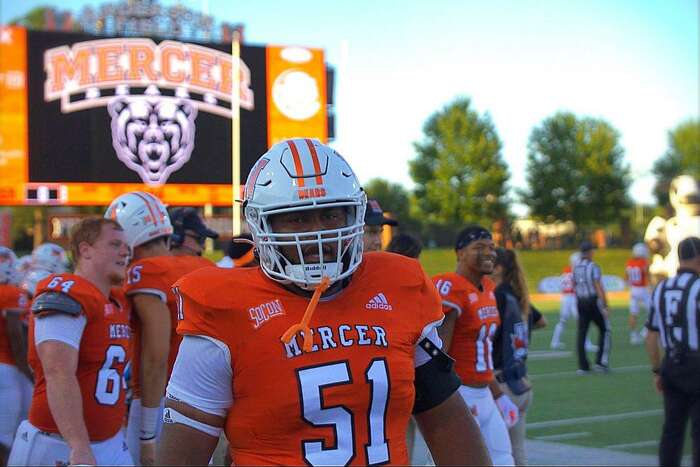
{"x": 477, "y": 321}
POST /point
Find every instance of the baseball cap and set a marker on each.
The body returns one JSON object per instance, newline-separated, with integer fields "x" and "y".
{"x": 374, "y": 215}
{"x": 470, "y": 234}
{"x": 586, "y": 246}
{"x": 188, "y": 219}
{"x": 689, "y": 248}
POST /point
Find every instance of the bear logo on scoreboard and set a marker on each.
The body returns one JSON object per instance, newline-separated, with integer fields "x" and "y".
{"x": 153, "y": 135}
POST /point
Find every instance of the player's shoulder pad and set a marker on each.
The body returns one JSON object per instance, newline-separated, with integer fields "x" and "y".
{"x": 216, "y": 287}
{"x": 56, "y": 301}
{"x": 152, "y": 265}
{"x": 404, "y": 271}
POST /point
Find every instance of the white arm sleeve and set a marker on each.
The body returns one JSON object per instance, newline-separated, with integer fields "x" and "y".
{"x": 158, "y": 293}
{"x": 60, "y": 327}
{"x": 202, "y": 375}
{"x": 430, "y": 331}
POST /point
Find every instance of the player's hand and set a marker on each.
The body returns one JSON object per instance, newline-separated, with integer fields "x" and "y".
{"x": 148, "y": 452}
{"x": 658, "y": 384}
{"x": 508, "y": 409}
{"x": 81, "y": 456}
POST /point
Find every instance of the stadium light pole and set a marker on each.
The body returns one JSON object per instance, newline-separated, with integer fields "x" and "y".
{"x": 236, "y": 131}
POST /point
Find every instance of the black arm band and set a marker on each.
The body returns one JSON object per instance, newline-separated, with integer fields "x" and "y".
{"x": 56, "y": 301}
{"x": 435, "y": 380}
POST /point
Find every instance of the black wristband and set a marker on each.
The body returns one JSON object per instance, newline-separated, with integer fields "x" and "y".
{"x": 656, "y": 371}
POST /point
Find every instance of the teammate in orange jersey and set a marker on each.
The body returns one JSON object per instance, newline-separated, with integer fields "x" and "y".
{"x": 151, "y": 274}
{"x": 471, "y": 320}
{"x": 339, "y": 387}
{"x": 78, "y": 348}
{"x": 637, "y": 276}
{"x": 15, "y": 375}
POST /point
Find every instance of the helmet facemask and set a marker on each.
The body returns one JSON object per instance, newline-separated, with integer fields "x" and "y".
{"x": 305, "y": 273}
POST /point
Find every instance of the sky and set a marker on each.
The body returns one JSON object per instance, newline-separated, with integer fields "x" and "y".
{"x": 633, "y": 63}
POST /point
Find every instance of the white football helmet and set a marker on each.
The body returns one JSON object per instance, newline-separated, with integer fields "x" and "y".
{"x": 32, "y": 278}
{"x": 296, "y": 175}
{"x": 51, "y": 257}
{"x": 8, "y": 265}
{"x": 24, "y": 263}
{"x": 684, "y": 195}
{"x": 142, "y": 216}
{"x": 574, "y": 258}
{"x": 640, "y": 250}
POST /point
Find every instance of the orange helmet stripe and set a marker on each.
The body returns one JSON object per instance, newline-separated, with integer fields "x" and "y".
{"x": 148, "y": 205}
{"x": 297, "y": 162}
{"x": 314, "y": 158}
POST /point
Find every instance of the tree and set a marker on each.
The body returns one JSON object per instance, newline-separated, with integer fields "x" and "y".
{"x": 391, "y": 196}
{"x": 681, "y": 157}
{"x": 459, "y": 172}
{"x": 575, "y": 171}
{"x": 33, "y": 19}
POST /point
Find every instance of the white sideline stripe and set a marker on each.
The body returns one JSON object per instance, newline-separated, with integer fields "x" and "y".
{"x": 638, "y": 444}
{"x": 595, "y": 418}
{"x": 563, "y": 436}
{"x": 548, "y": 354}
{"x": 613, "y": 370}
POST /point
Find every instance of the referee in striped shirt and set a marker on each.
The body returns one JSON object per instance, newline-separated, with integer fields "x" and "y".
{"x": 592, "y": 306}
{"x": 674, "y": 320}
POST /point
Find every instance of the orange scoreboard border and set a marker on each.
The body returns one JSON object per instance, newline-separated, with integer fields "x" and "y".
{"x": 15, "y": 187}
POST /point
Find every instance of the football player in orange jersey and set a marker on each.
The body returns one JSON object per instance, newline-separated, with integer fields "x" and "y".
{"x": 637, "y": 276}
{"x": 15, "y": 375}
{"x": 471, "y": 321}
{"x": 78, "y": 348}
{"x": 339, "y": 387}
{"x": 152, "y": 272}
{"x": 189, "y": 232}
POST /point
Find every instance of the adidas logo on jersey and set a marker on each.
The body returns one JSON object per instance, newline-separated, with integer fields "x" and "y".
{"x": 379, "y": 302}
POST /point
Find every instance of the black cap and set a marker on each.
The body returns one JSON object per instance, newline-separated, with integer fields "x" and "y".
{"x": 188, "y": 219}
{"x": 374, "y": 215}
{"x": 470, "y": 234}
{"x": 586, "y": 246}
{"x": 689, "y": 248}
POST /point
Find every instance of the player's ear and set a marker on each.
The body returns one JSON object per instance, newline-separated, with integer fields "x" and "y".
{"x": 85, "y": 250}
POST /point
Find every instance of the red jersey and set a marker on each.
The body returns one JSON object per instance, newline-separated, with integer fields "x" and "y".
{"x": 637, "y": 272}
{"x": 349, "y": 399}
{"x": 11, "y": 298}
{"x": 477, "y": 321}
{"x": 156, "y": 276}
{"x": 103, "y": 353}
{"x": 567, "y": 281}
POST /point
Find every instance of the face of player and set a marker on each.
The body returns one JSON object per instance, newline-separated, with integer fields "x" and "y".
{"x": 479, "y": 257}
{"x": 372, "y": 238}
{"x": 109, "y": 254}
{"x": 193, "y": 243}
{"x": 311, "y": 220}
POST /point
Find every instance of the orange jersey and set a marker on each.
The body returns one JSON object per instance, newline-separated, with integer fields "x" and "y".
{"x": 352, "y": 394}
{"x": 567, "y": 281}
{"x": 476, "y": 325}
{"x": 156, "y": 276}
{"x": 637, "y": 272}
{"x": 11, "y": 298}
{"x": 103, "y": 353}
